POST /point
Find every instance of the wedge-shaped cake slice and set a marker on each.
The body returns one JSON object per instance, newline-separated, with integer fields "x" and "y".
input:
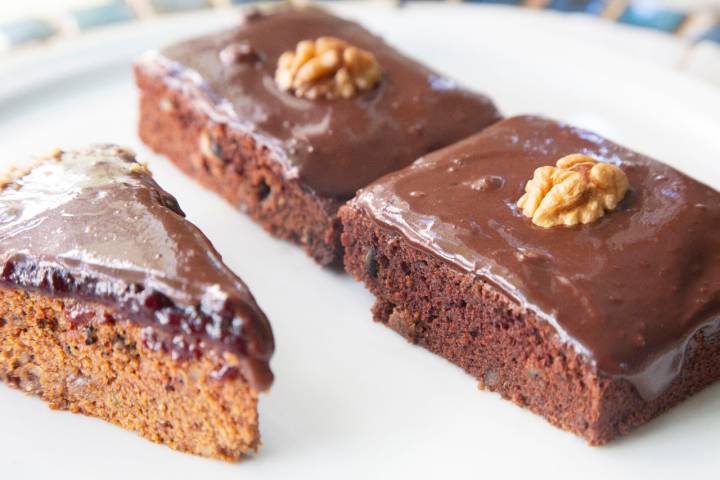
{"x": 574, "y": 276}
{"x": 288, "y": 114}
{"x": 113, "y": 305}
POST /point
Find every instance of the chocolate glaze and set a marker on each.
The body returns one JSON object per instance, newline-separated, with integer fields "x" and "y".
{"x": 92, "y": 224}
{"x": 333, "y": 146}
{"x": 627, "y": 291}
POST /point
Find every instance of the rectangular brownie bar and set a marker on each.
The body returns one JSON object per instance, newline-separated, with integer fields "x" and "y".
{"x": 113, "y": 305}
{"x": 599, "y": 315}
{"x": 292, "y": 111}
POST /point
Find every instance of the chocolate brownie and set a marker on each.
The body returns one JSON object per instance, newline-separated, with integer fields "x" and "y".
{"x": 292, "y": 111}
{"x": 597, "y": 322}
{"x": 113, "y": 305}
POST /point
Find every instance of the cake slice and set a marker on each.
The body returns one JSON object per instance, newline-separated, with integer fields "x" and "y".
{"x": 113, "y": 305}
{"x": 571, "y": 275}
{"x": 292, "y": 111}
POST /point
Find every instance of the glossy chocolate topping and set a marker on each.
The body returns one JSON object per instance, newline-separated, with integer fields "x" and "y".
{"x": 333, "y": 146}
{"x": 93, "y": 224}
{"x": 628, "y": 291}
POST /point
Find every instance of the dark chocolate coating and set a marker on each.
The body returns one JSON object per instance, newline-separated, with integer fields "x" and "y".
{"x": 93, "y": 225}
{"x": 627, "y": 291}
{"x": 335, "y": 146}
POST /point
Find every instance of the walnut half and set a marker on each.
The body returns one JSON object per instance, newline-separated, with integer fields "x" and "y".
{"x": 579, "y": 189}
{"x": 327, "y": 68}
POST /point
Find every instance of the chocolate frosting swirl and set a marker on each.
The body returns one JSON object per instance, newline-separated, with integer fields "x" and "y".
{"x": 334, "y": 146}
{"x": 93, "y": 224}
{"x": 627, "y": 291}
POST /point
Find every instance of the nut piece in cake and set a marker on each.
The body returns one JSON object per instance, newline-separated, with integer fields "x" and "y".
{"x": 327, "y": 68}
{"x": 579, "y": 189}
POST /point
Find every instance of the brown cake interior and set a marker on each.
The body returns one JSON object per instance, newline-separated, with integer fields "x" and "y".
{"x": 477, "y": 327}
{"x": 106, "y": 369}
{"x": 236, "y": 167}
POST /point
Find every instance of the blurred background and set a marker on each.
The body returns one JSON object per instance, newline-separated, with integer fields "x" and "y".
{"x": 680, "y": 34}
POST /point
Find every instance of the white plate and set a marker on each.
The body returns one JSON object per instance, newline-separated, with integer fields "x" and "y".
{"x": 352, "y": 399}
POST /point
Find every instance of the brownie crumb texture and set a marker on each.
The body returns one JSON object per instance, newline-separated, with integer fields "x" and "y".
{"x": 104, "y": 369}
{"x": 237, "y": 168}
{"x": 508, "y": 350}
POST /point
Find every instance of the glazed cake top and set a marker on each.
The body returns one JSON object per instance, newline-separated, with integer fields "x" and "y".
{"x": 332, "y": 146}
{"x": 93, "y": 224}
{"x": 628, "y": 291}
